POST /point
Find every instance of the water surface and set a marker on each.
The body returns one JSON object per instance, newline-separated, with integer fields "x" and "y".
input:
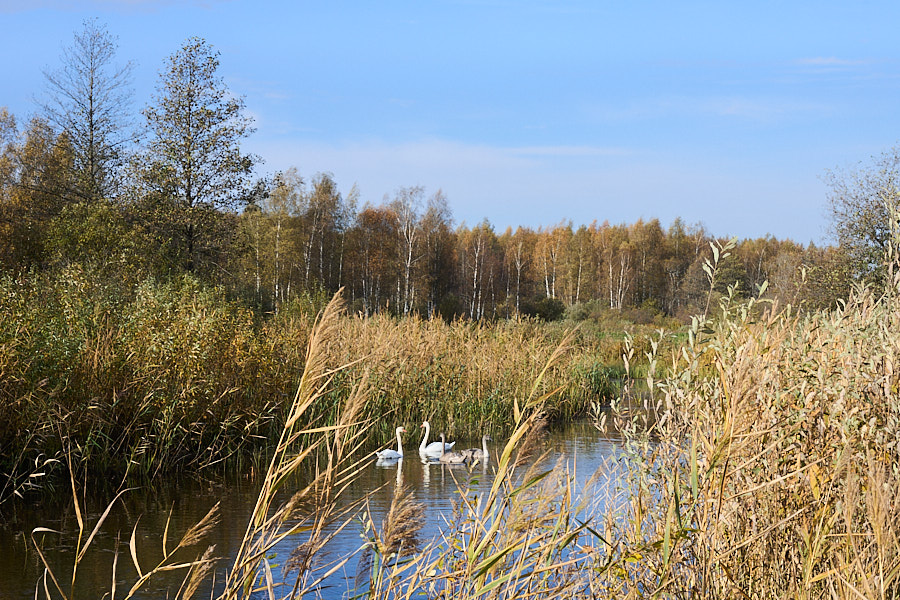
{"x": 184, "y": 502}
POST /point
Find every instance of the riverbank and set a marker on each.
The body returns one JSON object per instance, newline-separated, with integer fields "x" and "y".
{"x": 769, "y": 469}
{"x": 178, "y": 378}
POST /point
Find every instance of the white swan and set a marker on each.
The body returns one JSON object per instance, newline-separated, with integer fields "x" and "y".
{"x": 482, "y": 453}
{"x": 453, "y": 458}
{"x": 390, "y": 453}
{"x": 434, "y": 449}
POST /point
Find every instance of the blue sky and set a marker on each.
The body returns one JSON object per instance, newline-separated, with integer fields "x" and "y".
{"x": 530, "y": 112}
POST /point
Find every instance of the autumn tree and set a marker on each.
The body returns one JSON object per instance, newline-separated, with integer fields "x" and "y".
{"x": 549, "y": 250}
{"x": 374, "y": 250}
{"x": 290, "y": 236}
{"x": 344, "y": 219}
{"x": 10, "y": 206}
{"x": 865, "y": 212}
{"x": 407, "y": 206}
{"x": 785, "y": 274}
{"x": 519, "y": 255}
{"x": 9, "y": 134}
{"x": 579, "y": 265}
{"x": 36, "y": 166}
{"x": 282, "y": 207}
{"x": 685, "y": 244}
{"x": 478, "y": 268}
{"x": 648, "y": 240}
{"x": 768, "y": 260}
{"x": 615, "y": 264}
{"x": 254, "y": 228}
{"x": 89, "y": 100}
{"x": 756, "y": 255}
{"x": 438, "y": 256}
{"x": 194, "y": 169}
{"x": 325, "y": 215}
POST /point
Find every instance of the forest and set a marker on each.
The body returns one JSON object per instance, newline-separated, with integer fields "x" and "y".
{"x": 167, "y": 192}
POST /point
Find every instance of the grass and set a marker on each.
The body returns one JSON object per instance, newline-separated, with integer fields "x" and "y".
{"x": 771, "y": 469}
{"x": 175, "y": 377}
{"x": 763, "y": 464}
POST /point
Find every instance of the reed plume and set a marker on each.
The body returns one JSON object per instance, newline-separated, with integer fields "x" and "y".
{"x": 394, "y": 550}
{"x": 330, "y": 448}
{"x": 401, "y": 527}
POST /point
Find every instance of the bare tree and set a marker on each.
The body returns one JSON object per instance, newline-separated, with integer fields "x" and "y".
{"x": 89, "y": 100}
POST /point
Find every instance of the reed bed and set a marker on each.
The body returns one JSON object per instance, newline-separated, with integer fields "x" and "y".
{"x": 483, "y": 557}
{"x": 770, "y": 468}
{"x": 763, "y": 464}
{"x": 177, "y": 377}
{"x": 450, "y": 373}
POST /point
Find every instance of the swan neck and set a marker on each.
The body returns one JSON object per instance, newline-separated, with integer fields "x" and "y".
{"x": 425, "y": 437}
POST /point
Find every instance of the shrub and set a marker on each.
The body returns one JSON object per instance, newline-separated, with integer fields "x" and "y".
{"x": 546, "y": 309}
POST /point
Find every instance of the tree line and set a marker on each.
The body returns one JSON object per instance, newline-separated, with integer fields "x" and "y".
{"x": 405, "y": 255}
{"x": 168, "y": 191}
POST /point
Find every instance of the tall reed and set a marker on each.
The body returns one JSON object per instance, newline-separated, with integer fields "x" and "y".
{"x": 762, "y": 464}
{"x": 771, "y": 469}
{"x": 315, "y": 505}
{"x": 174, "y": 376}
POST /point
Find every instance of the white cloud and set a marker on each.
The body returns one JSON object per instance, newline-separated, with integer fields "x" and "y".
{"x": 759, "y": 108}
{"x": 571, "y": 151}
{"x": 432, "y": 157}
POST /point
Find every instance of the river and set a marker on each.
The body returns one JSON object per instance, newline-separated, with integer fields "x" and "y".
{"x": 188, "y": 500}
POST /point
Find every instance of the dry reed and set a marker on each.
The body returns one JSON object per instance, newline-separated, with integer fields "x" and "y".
{"x": 772, "y": 469}
{"x": 764, "y": 464}
{"x": 180, "y": 378}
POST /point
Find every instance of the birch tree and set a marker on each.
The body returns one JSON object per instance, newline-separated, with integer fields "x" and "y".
{"x": 194, "y": 165}
{"x": 407, "y": 206}
{"x": 281, "y": 206}
{"x": 438, "y": 247}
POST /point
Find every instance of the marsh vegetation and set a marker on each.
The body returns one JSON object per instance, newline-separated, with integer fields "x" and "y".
{"x": 766, "y": 470}
{"x": 272, "y": 328}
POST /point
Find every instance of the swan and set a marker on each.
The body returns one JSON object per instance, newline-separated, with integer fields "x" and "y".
{"x": 482, "y": 453}
{"x": 391, "y": 453}
{"x": 434, "y": 449}
{"x": 453, "y": 458}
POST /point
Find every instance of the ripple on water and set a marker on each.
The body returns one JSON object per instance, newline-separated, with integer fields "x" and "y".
{"x": 435, "y": 485}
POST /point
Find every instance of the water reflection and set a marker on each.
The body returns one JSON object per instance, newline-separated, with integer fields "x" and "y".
{"x": 182, "y": 503}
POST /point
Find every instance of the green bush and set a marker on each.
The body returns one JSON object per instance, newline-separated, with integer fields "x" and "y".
{"x": 546, "y": 309}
